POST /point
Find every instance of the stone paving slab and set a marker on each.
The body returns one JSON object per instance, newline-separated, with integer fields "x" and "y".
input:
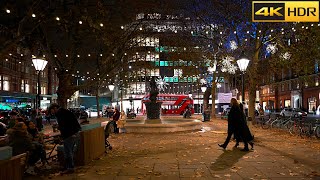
{"x": 195, "y": 155}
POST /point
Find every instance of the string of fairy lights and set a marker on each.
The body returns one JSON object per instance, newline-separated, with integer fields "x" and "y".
{"x": 233, "y": 45}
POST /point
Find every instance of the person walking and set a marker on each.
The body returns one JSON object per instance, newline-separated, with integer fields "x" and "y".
{"x": 69, "y": 128}
{"x": 244, "y": 133}
{"x": 115, "y": 118}
{"x": 234, "y": 119}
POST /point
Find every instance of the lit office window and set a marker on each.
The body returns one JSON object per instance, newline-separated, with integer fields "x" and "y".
{"x": 177, "y": 72}
{"x": 155, "y": 72}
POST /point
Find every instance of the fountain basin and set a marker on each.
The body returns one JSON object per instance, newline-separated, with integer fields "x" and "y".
{"x": 166, "y": 125}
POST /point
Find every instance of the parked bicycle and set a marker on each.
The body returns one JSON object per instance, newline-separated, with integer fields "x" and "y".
{"x": 310, "y": 128}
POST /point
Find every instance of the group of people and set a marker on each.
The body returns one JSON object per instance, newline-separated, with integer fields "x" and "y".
{"x": 24, "y": 136}
{"x": 237, "y": 126}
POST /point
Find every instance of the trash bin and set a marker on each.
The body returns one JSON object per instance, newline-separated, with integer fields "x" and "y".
{"x": 206, "y": 116}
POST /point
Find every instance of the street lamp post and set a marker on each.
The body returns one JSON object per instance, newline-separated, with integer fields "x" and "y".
{"x": 243, "y": 64}
{"x": 203, "y": 89}
{"x": 39, "y": 65}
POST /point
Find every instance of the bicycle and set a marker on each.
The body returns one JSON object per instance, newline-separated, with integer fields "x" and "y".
{"x": 311, "y": 128}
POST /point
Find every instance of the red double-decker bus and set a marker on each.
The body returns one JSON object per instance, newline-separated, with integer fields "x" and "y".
{"x": 171, "y": 103}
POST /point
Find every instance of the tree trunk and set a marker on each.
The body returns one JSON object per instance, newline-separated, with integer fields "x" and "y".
{"x": 206, "y": 96}
{"x": 213, "y": 97}
{"x": 98, "y": 103}
{"x": 252, "y": 102}
{"x": 62, "y": 101}
{"x": 65, "y": 89}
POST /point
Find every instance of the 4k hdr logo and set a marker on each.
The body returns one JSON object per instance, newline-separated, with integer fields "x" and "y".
{"x": 285, "y": 11}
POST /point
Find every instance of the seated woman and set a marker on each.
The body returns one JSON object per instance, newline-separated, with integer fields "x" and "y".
{"x": 33, "y": 131}
{"x": 21, "y": 142}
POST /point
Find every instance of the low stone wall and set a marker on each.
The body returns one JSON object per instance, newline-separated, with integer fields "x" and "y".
{"x": 164, "y": 128}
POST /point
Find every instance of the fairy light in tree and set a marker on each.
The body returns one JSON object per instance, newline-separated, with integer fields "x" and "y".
{"x": 203, "y": 81}
{"x": 101, "y": 24}
{"x": 89, "y": 55}
{"x": 67, "y": 55}
{"x": 285, "y": 56}
{"x": 272, "y": 48}
{"x": 80, "y": 22}
{"x": 122, "y": 27}
{"x": 140, "y": 28}
{"x": 78, "y": 55}
{"x": 161, "y": 83}
{"x": 233, "y": 45}
{"x": 33, "y": 15}
{"x": 57, "y": 18}
{"x": 8, "y": 11}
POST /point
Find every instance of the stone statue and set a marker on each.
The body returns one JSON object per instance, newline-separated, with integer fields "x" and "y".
{"x": 153, "y": 107}
{"x": 153, "y": 90}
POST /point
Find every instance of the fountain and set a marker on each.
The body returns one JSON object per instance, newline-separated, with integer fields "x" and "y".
{"x": 154, "y": 124}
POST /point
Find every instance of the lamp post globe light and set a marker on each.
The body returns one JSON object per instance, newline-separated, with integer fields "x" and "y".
{"x": 39, "y": 65}
{"x": 111, "y": 88}
{"x": 243, "y": 64}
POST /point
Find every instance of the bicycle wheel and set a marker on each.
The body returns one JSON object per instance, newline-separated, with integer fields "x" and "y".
{"x": 265, "y": 125}
{"x": 275, "y": 124}
{"x": 317, "y": 132}
{"x": 304, "y": 132}
{"x": 294, "y": 129}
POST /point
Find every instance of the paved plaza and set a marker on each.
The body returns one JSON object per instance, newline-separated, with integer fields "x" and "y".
{"x": 196, "y": 155}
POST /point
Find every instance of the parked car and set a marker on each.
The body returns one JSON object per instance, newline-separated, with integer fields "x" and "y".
{"x": 294, "y": 112}
{"x": 93, "y": 112}
{"x": 131, "y": 115}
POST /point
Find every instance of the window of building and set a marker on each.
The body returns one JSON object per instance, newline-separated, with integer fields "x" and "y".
{"x": 43, "y": 89}
{"x": 312, "y": 103}
{"x": 289, "y": 86}
{"x": 6, "y": 83}
{"x": 155, "y": 72}
{"x": 27, "y": 87}
{"x": 22, "y": 86}
{"x": 316, "y": 81}
{"x": 287, "y": 103}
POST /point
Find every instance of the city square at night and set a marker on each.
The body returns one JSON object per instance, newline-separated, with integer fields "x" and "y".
{"x": 159, "y": 89}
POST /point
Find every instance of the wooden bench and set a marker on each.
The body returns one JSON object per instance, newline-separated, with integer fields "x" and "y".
{"x": 14, "y": 167}
{"x": 92, "y": 145}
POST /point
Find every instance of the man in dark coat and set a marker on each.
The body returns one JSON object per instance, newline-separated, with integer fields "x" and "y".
{"x": 69, "y": 128}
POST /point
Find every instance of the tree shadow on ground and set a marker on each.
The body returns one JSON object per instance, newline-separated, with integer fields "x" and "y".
{"x": 227, "y": 159}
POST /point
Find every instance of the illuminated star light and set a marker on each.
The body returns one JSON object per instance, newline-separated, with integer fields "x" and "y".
{"x": 233, "y": 45}
{"x": 285, "y": 56}
{"x": 228, "y": 66}
{"x": 272, "y": 48}
{"x": 161, "y": 83}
